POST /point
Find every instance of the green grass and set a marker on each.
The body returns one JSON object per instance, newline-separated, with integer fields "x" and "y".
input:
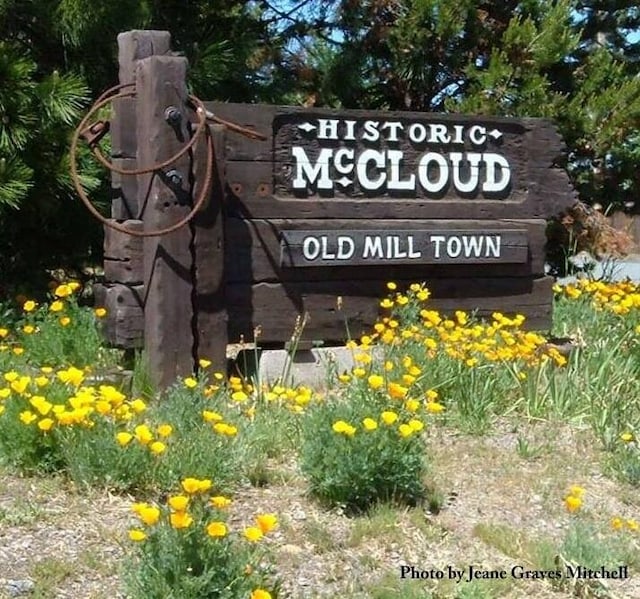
{"x": 48, "y": 574}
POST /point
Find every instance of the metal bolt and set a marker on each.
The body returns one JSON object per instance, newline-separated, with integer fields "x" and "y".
{"x": 174, "y": 177}
{"x": 173, "y": 116}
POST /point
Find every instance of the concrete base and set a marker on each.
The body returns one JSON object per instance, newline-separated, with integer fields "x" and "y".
{"x": 312, "y": 367}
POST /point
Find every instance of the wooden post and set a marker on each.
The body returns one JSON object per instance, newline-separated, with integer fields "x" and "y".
{"x": 168, "y": 260}
{"x": 210, "y": 307}
{"x": 123, "y": 253}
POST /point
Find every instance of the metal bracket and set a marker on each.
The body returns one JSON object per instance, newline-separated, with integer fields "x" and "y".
{"x": 94, "y": 133}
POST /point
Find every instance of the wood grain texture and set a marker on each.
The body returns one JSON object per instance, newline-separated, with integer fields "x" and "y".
{"x": 168, "y": 260}
{"x": 209, "y": 298}
{"x": 132, "y": 47}
{"x": 124, "y": 191}
{"x": 123, "y": 326}
{"x": 275, "y": 307}
{"x": 124, "y": 323}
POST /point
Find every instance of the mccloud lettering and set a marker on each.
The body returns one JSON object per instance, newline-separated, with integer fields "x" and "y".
{"x": 377, "y": 170}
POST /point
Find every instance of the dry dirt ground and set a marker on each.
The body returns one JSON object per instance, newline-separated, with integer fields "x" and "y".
{"x": 498, "y": 503}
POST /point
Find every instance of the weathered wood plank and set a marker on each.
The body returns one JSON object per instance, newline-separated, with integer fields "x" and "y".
{"x": 138, "y": 44}
{"x": 253, "y": 253}
{"x": 275, "y": 307}
{"x": 124, "y": 324}
{"x": 132, "y": 46}
{"x": 349, "y": 247}
{"x": 120, "y": 246}
{"x": 124, "y": 191}
{"x": 123, "y": 254}
{"x": 168, "y": 261}
{"x": 209, "y": 300}
{"x": 250, "y": 195}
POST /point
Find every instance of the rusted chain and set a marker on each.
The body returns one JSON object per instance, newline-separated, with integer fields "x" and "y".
{"x": 104, "y": 99}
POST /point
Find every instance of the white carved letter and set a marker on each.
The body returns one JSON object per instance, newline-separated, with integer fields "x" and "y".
{"x": 492, "y": 184}
{"x": 493, "y": 246}
{"x": 307, "y": 173}
{"x": 394, "y": 157}
{"x": 378, "y": 159}
{"x": 474, "y": 162}
{"x": 454, "y": 247}
{"x": 371, "y": 132}
{"x": 423, "y": 172}
{"x": 417, "y": 133}
{"x": 328, "y": 128}
{"x": 346, "y": 247}
{"x": 339, "y": 156}
{"x": 394, "y": 127}
{"x": 436, "y": 240}
{"x": 310, "y": 248}
{"x": 478, "y": 135}
{"x": 372, "y": 247}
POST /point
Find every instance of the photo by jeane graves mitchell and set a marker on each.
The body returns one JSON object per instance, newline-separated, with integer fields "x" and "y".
{"x": 517, "y": 572}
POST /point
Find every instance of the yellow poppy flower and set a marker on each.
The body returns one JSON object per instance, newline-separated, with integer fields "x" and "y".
{"x": 217, "y": 529}
{"x": 56, "y": 306}
{"x": 253, "y": 534}
{"x": 135, "y": 534}
{"x": 220, "y": 502}
{"x": 178, "y": 502}
{"x": 124, "y": 438}
{"x": 157, "y": 447}
{"x": 389, "y": 417}
{"x": 63, "y": 290}
{"x": 266, "y": 522}
{"x": 29, "y": 306}
{"x": 369, "y": 424}
{"x": 165, "y": 430}
{"x": 572, "y": 503}
{"x": 149, "y": 514}
{"x": 180, "y": 520}
{"x": 45, "y": 424}
{"x": 190, "y": 382}
{"x": 375, "y": 381}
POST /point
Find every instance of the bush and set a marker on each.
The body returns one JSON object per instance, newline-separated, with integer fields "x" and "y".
{"x": 59, "y": 333}
{"x": 355, "y": 454}
{"x": 187, "y": 550}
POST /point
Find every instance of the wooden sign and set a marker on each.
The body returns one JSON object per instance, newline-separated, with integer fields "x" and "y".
{"x": 331, "y": 203}
{"x": 345, "y": 248}
{"x": 403, "y": 157}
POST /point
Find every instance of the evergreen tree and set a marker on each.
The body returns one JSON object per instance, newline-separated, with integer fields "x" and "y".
{"x": 55, "y": 56}
{"x": 561, "y": 59}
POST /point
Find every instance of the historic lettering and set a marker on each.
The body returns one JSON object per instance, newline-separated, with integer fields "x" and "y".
{"x": 444, "y": 157}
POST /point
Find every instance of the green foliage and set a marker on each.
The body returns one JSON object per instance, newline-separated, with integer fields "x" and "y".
{"x": 624, "y": 461}
{"x": 356, "y": 467}
{"x": 585, "y": 545}
{"x": 56, "y": 344}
